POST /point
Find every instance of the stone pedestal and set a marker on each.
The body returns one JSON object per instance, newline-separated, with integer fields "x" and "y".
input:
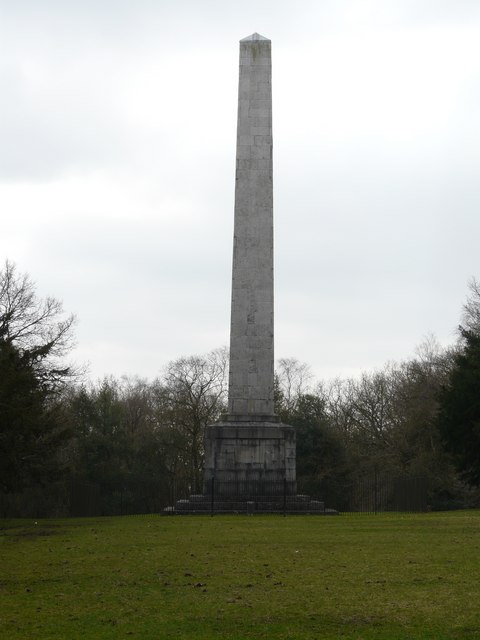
{"x": 250, "y": 457}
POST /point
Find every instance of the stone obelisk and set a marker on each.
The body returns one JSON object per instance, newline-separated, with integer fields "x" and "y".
{"x": 251, "y": 333}
{"x": 250, "y": 448}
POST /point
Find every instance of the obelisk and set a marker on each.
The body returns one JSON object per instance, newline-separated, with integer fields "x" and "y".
{"x": 251, "y": 332}
{"x": 250, "y": 451}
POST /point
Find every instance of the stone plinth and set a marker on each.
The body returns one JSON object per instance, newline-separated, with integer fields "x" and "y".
{"x": 293, "y": 505}
{"x": 250, "y": 457}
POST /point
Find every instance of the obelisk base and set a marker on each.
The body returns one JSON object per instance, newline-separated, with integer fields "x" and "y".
{"x": 250, "y": 455}
{"x": 250, "y": 468}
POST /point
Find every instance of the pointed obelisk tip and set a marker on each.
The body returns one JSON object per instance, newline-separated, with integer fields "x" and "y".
{"x": 254, "y": 38}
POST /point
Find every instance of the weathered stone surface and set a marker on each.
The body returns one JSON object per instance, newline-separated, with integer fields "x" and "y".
{"x": 251, "y": 332}
{"x": 250, "y": 457}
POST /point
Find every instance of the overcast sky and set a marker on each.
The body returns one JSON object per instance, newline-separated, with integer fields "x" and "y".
{"x": 117, "y": 159}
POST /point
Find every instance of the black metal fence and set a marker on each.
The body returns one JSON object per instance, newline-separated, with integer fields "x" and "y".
{"x": 79, "y": 498}
{"x": 248, "y": 496}
{"x": 132, "y": 498}
{"x": 372, "y": 494}
{"x": 378, "y": 493}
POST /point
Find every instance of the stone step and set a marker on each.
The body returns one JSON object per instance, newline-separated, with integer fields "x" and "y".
{"x": 262, "y": 504}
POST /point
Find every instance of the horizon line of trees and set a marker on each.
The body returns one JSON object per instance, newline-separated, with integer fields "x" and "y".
{"x": 419, "y": 417}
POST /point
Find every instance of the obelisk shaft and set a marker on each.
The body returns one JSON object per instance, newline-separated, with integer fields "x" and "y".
{"x": 251, "y": 336}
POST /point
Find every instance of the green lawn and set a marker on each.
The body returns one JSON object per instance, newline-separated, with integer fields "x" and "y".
{"x": 384, "y": 576}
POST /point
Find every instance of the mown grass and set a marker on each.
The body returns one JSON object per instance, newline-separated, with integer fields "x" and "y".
{"x": 394, "y": 577}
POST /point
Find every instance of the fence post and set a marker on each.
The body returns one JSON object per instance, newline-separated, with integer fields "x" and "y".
{"x": 284, "y": 497}
{"x": 375, "y": 498}
{"x": 212, "y": 505}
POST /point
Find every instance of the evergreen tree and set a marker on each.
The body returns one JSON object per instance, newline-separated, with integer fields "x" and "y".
{"x": 33, "y": 339}
{"x": 459, "y": 415}
{"x": 31, "y": 422}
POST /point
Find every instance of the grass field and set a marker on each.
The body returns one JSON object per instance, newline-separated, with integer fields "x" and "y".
{"x": 152, "y": 577}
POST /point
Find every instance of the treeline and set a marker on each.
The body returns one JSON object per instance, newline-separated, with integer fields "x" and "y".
{"x": 128, "y": 430}
{"x": 420, "y": 417}
{"x": 382, "y": 423}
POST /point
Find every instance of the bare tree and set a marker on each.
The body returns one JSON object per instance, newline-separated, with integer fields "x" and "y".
{"x": 471, "y": 308}
{"x": 372, "y": 404}
{"x": 338, "y": 395}
{"x": 192, "y": 394}
{"x": 36, "y": 327}
{"x": 294, "y": 380}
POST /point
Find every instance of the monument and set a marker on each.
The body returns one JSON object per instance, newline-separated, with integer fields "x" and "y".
{"x": 250, "y": 448}
{"x": 250, "y": 454}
